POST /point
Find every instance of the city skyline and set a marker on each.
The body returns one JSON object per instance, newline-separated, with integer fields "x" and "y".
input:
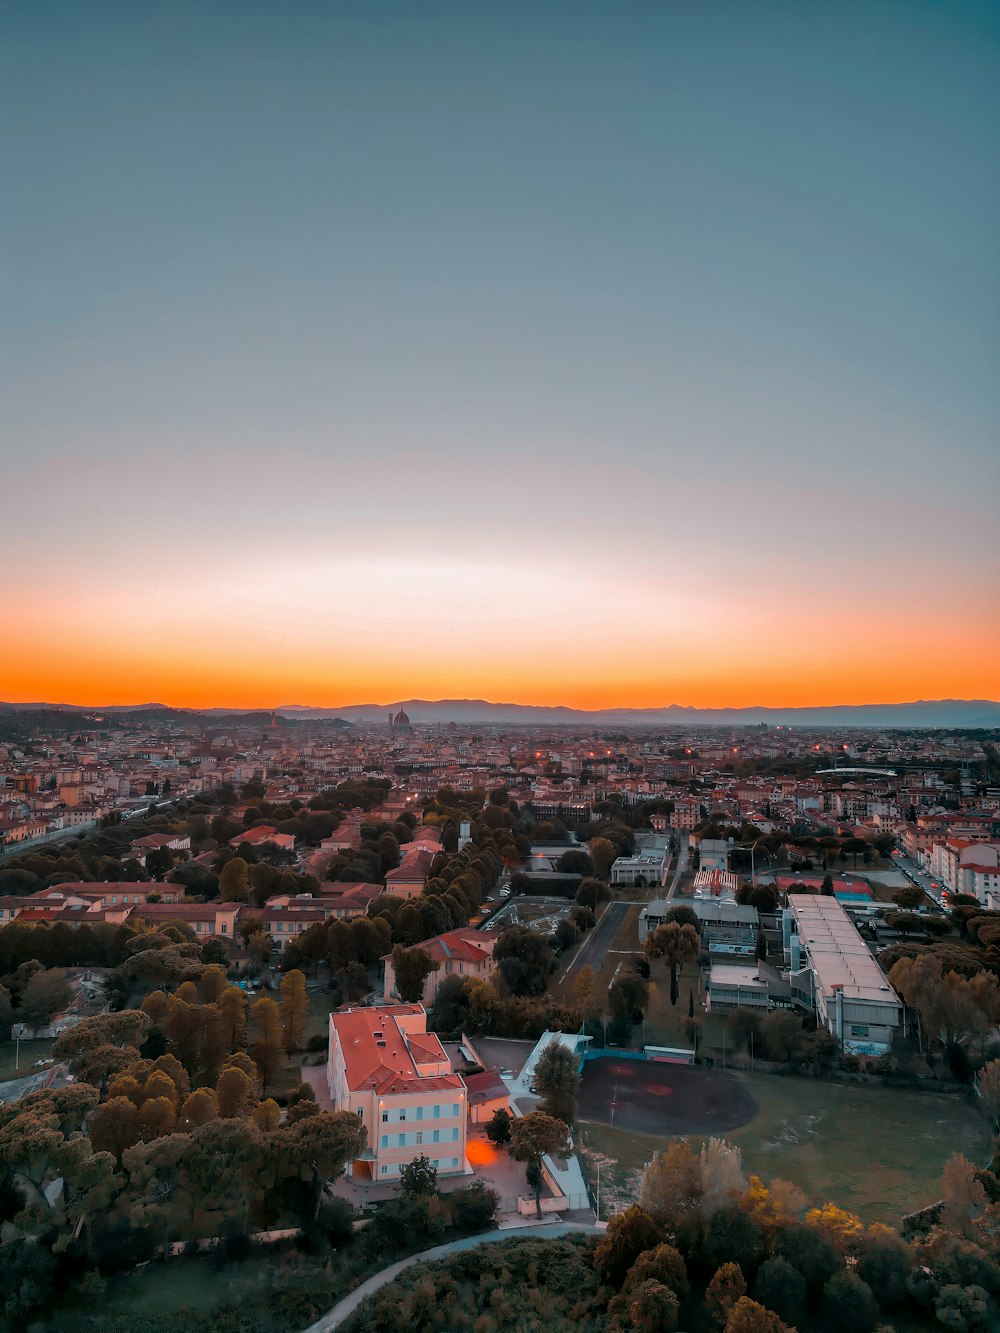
{"x": 567, "y": 356}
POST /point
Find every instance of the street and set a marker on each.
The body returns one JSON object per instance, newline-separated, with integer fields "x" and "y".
{"x": 595, "y": 947}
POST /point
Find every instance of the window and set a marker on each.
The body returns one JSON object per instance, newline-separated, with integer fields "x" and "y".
{"x": 454, "y": 1135}
{"x": 419, "y": 1136}
{"x": 384, "y": 1170}
{"x": 859, "y": 1030}
{"x": 454, "y": 1161}
{"x": 401, "y": 1140}
{"x": 385, "y": 1140}
{"x": 455, "y": 1108}
{"x": 437, "y": 1113}
{"x": 402, "y": 1115}
{"x": 437, "y": 1136}
{"x": 385, "y": 1117}
{"x": 420, "y": 1113}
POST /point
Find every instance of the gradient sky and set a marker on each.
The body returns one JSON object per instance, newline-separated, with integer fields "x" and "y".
{"x": 577, "y": 353}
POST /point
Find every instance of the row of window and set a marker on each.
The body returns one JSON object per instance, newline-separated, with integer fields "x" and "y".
{"x": 417, "y": 1137}
{"x": 402, "y": 1113}
{"x": 393, "y": 1168}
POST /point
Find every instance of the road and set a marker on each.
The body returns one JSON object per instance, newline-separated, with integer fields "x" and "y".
{"x": 682, "y": 861}
{"x": 933, "y": 888}
{"x": 543, "y": 1230}
{"x": 594, "y": 948}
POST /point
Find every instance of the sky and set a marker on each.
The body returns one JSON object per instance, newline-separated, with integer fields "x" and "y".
{"x": 576, "y": 353}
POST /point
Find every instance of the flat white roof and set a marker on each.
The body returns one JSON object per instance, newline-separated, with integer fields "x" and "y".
{"x": 733, "y": 974}
{"x": 837, "y": 953}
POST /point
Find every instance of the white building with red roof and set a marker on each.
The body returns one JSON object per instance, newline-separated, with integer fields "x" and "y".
{"x": 388, "y": 1069}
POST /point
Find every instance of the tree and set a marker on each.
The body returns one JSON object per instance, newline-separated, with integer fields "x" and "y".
{"x": 726, "y": 1288}
{"x": 782, "y": 1036}
{"x": 592, "y": 892}
{"x": 294, "y": 1008}
{"x": 732, "y": 1235}
{"x": 575, "y": 862}
{"x": 677, "y": 945}
{"x": 603, "y": 853}
{"x": 628, "y": 1235}
{"x": 964, "y": 1308}
{"x": 157, "y": 1116}
{"x": 534, "y": 1136}
{"x": 963, "y": 1194}
{"x": 317, "y": 1149}
{"x": 114, "y": 1126}
{"x": 781, "y": 1288}
{"x": 557, "y": 1080}
{"x": 268, "y": 1043}
{"x": 234, "y": 881}
{"x": 47, "y": 993}
{"x": 498, "y": 1129}
{"x": 232, "y": 1008}
{"x": 198, "y": 1108}
{"x": 885, "y": 1262}
{"x": 807, "y": 1250}
{"x": 235, "y": 1093}
{"x": 266, "y": 1115}
{"x": 748, "y": 1316}
{"x": 908, "y": 897}
{"x": 826, "y": 888}
{"x": 653, "y": 1308}
{"x": 684, "y": 916}
{"x": 663, "y": 1263}
{"x": 672, "y": 1191}
{"x": 842, "y": 1229}
{"x": 850, "y": 1302}
{"x": 418, "y": 1178}
{"x": 411, "y": 968}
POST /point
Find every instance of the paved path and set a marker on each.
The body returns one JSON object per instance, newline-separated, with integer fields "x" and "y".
{"x": 594, "y": 948}
{"x": 682, "y": 861}
{"x": 548, "y": 1230}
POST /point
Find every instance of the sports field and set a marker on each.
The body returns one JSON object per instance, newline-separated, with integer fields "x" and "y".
{"x": 653, "y": 1098}
{"x": 877, "y": 1151}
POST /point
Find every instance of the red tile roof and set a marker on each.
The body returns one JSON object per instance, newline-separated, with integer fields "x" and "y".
{"x": 377, "y": 1053}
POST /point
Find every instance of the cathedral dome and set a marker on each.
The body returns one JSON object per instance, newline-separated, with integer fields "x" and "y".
{"x": 400, "y": 720}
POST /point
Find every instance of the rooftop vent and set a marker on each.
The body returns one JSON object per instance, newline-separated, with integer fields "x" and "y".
{"x": 380, "y": 1043}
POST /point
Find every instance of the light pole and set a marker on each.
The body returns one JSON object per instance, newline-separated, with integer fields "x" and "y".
{"x": 598, "y": 1189}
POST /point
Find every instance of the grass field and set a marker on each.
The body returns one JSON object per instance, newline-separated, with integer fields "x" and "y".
{"x": 877, "y": 1151}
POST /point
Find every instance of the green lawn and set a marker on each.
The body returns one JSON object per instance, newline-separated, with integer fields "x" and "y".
{"x": 877, "y": 1151}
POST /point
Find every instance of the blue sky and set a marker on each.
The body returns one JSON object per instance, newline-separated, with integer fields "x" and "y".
{"x": 482, "y": 280}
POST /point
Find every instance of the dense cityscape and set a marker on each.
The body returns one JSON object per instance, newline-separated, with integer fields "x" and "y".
{"x": 236, "y": 948}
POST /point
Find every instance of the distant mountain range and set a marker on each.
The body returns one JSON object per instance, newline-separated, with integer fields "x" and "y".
{"x": 968, "y": 713}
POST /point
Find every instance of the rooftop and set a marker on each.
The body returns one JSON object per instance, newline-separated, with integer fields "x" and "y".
{"x": 840, "y": 958}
